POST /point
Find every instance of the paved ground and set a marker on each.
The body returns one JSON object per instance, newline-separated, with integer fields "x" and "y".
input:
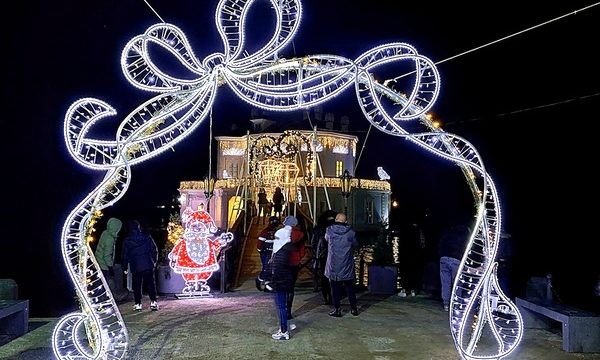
{"x": 238, "y": 325}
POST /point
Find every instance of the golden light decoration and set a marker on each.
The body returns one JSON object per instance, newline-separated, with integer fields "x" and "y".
{"x": 273, "y": 173}
{"x": 90, "y": 228}
{"x": 232, "y": 144}
{"x": 174, "y": 231}
{"x": 330, "y": 182}
{"x": 330, "y": 142}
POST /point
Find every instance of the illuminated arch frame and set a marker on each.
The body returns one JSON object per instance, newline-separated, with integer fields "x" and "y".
{"x": 274, "y": 84}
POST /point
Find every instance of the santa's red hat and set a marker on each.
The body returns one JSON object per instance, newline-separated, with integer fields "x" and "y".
{"x": 189, "y": 216}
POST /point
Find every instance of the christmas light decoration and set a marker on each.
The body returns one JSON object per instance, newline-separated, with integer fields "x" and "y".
{"x": 273, "y": 83}
{"x": 195, "y": 255}
{"x": 275, "y": 158}
{"x": 174, "y": 232}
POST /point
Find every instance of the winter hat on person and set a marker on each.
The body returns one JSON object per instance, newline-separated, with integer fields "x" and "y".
{"x": 290, "y": 220}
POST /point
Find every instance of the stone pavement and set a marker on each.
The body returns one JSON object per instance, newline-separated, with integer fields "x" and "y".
{"x": 238, "y": 325}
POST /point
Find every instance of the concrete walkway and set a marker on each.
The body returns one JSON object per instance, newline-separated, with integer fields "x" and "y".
{"x": 238, "y": 325}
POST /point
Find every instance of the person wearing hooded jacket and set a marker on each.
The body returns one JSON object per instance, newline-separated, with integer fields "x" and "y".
{"x": 297, "y": 252}
{"x": 282, "y": 278}
{"x": 105, "y": 251}
{"x": 141, "y": 254}
{"x": 339, "y": 268}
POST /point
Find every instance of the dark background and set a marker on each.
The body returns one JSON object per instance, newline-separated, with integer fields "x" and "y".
{"x": 528, "y": 104}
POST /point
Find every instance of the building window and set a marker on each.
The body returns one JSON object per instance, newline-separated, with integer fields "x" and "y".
{"x": 369, "y": 211}
{"x": 233, "y": 169}
{"x": 339, "y": 168}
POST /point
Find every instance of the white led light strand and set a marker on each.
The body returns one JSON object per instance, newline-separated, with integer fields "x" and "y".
{"x": 265, "y": 81}
{"x": 477, "y": 300}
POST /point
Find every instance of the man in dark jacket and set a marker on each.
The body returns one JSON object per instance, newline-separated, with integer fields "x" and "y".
{"x": 320, "y": 244}
{"x": 451, "y": 248}
{"x": 297, "y": 252}
{"x": 264, "y": 245}
{"x": 339, "y": 269}
{"x": 141, "y": 254}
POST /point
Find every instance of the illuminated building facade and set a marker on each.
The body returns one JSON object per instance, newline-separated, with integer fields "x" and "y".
{"x": 309, "y": 177}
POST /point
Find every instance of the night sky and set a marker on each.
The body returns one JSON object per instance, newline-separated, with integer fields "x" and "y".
{"x": 528, "y": 104}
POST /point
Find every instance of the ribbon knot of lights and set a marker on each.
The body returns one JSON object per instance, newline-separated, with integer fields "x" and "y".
{"x": 274, "y": 84}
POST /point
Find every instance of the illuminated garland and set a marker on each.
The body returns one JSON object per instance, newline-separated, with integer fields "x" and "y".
{"x": 91, "y": 226}
{"x": 238, "y": 147}
{"x": 330, "y": 182}
{"x": 265, "y": 81}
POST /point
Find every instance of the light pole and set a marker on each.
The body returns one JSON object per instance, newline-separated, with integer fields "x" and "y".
{"x": 209, "y": 182}
{"x": 346, "y": 186}
{"x": 209, "y": 187}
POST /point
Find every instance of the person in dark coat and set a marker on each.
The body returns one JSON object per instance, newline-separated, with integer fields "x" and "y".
{"x": 278, "y": 202}
{"x": 264, "y": 245}
{"x": 451, "y": 248}
{"x": 411, "y": 254}
{"x": 282, "y": 278}
{"x": 320, "y": 246}
{"x": 339, "y": 269}
{"x": 141, "y": 255}
{"x": 297, "y": 252}
{"x": 262, "y": 204}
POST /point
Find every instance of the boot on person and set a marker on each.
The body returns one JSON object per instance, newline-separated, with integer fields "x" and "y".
{"x": 336, "y": 312}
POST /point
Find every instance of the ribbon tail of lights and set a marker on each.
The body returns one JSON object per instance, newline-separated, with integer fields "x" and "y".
{"x": 265, "y": 81}
{"x": 477, "y": 300}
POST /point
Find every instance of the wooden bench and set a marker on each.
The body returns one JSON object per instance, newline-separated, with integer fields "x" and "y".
{"x": 14, "y": 317}
{"x": 580, "y": 329}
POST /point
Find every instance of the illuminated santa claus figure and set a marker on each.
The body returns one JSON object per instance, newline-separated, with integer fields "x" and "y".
{"x": 194, "y": 256}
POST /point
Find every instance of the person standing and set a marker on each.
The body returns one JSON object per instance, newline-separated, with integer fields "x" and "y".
{"x": 105, "y": 251}
{"x": 339, "y": 269}
{"x": 320, "y": 245}
{"x": 141, "y": 254}
{"x": 264, "y": 245}
{"x": 504, "y": 257}
{"x": 297, "y": 252}
{"x": 262, "y": 204}
{"x": 411, "y": 254}
{"x": 278, "y": 202}
{"x": 451, "y": 248}
{"x": 282, "y": 278}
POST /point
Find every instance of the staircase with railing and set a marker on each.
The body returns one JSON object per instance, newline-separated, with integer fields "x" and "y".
{"x": 249, "y": 265}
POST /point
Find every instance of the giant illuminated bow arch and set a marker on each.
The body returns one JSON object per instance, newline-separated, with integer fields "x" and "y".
{"x": 264, "y": 81}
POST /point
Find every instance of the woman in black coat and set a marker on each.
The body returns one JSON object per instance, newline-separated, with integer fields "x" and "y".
{"x": 140, "y": 254}
{"x": 282, "y": 278}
